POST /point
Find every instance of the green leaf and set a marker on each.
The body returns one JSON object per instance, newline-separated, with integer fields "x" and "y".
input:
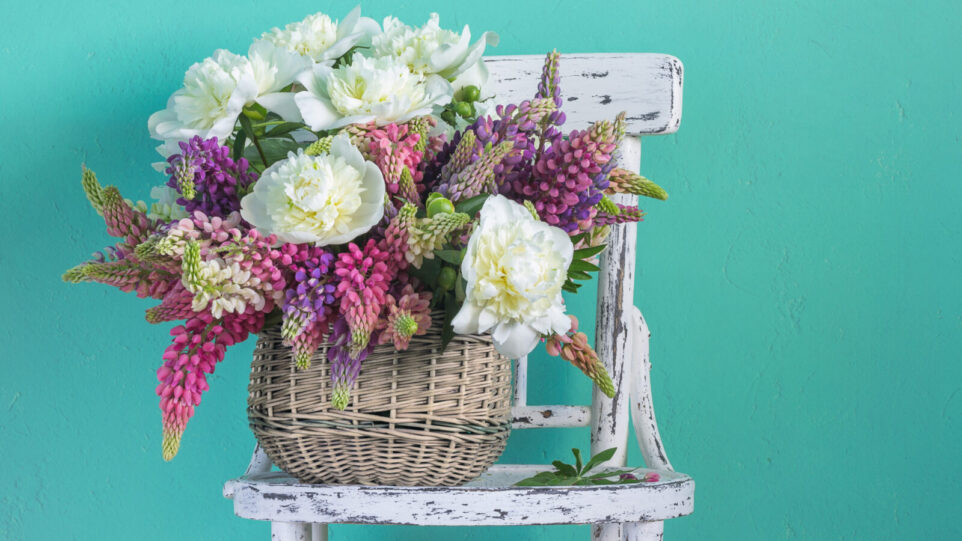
{"x": 585, "y": 253}
{"x": 451, "y": 256}
{"x": 428, "y": 273}
{"x": 584, "y": 266}
{"x": 284, "y": 128}
{"x": 577, "y": 453}
{"x": 239, "y": 142}
{"x": 578, "y": 275}
{"x": 274, "y": 150}
{"x": 565, "y": 469}
{"x": 578, "y": 238}
{"x": 598, "y": 482}
{"x": 471, "y": 205}
{"x": 542, "y": 479}
{"x": 605, "y": 474}
{"x": 570, "y": 286}
{"x": 599, "y": 458}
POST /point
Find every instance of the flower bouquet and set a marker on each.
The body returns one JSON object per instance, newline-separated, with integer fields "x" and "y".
{"x": 344, "y": 181}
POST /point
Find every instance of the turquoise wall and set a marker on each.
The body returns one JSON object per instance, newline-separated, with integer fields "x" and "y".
{"x": 801, "y": 283}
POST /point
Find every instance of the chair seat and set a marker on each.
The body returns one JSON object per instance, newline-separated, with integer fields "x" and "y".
{"x": 489, "y": 500}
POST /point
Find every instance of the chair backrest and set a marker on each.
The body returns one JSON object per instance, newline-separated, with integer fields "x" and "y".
{"x": 648, "y": 87}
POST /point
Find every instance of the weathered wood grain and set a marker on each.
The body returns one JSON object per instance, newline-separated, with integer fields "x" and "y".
{"x": 599, "y": 86}
{"x": 550, "y": 416}
{"x": 642, "y": 406}
{"x": 488, "y": 501}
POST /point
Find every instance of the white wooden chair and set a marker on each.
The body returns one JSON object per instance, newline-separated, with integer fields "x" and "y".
{"x": 596, "y": 86}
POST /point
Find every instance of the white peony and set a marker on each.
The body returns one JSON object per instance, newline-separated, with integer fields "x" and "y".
{"x": 215, "y": 91}
{"x": 382, "y": 90}
{"x": 327, "y": 199}
{"x": 433, "y": 50}
{"x": 273, "y": 69}
{"x": 322, "y": 40}
{"x": 514, "y": 266}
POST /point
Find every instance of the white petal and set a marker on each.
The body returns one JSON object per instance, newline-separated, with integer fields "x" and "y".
{"x": 451, "y": 55}
{"x": 317, "y": 112}
{"x": 466, "y": 320}
{"x": 283, "y": 104}
{"x": 516, "y": 341}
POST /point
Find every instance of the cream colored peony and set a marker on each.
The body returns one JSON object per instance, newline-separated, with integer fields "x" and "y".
{"x": 382, "y": 90}
{"x": 214, "y": 93}
{"x": 514, "y": 266}
{"x": 323, "y": 40}
{"x": 327, "y": 199}
{"x": 433, "y": 50}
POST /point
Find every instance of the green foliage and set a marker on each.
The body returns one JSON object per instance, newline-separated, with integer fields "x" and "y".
{"x": 472, "y": 205}
{"x": 580, "y": 267}
{"x": 578, "y": 474}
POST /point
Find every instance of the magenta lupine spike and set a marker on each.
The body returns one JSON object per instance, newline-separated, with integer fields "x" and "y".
{"x": 123, "y": 220}
{"x": 408, "y": 316}
{"x": 624, "y": 214}
{"x": 422, "y": 125}
{"x": 176, "y": 305}
{"x": 395, "y": 241}
{"x": 364, "y": 280}
{"x": 394, "y": 148}
{"x": 207, "y": 178}
{"x": 197, "y": 347}
{"x": 130, "y": 275}
{"x": 569, "y": 178}
{"x": 359, "y": 135}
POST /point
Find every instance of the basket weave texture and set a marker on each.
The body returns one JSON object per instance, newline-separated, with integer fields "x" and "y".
{"x": 416, "y": 418}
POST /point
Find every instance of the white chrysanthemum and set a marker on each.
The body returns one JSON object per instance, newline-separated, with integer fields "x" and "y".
{"x": 514, "y": 266}
{"x": 323, "y": 40}
{"x": 433, "y": 50}
{"x": 165, "y": 205}
{"x": 327, "y": 199}
{"x": 224, "y": 287}
{"x": 382, "y": 90}
{"x": 214, "y": 93}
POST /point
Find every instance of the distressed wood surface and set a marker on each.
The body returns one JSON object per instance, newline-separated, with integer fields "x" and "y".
{"x": 550, "y": 416}
{"x": 613, "y": 335}
{"x": 647, "y": 86}
{"x": 520, "y": 382}
{"x": 642, "y": 406}
{"x": 643, "y": 531}
{"x": 490, "y": 501}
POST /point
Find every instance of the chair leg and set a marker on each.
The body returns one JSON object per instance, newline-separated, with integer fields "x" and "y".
{"x": 319, "y": 532}
{"x": 644, "y": 531}
{"x": 606, "y": 532}
{"x": 290, "y": 531}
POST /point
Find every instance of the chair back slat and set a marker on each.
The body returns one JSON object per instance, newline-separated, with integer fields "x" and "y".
{"x": 647, "y": 86}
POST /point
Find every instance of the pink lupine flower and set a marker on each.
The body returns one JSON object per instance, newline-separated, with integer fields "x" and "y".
{"x": 405, "y": 317}
{"x": 364, "y": 280}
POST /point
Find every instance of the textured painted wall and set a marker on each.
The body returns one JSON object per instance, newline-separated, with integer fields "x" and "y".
{"x": 801, "y": 283}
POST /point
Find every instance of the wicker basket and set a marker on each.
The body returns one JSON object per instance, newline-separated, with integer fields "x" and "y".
{"x": 416, "y": 417}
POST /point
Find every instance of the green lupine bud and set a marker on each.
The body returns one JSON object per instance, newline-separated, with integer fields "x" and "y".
{"x": 321, "y": 146}
{"x": 92, "y": 188}
{"x": 648, "y": 188}
{"x": 440, "y": 205}
{"x": 190, "y": 265}
{"x": 530, "y": 206}
{"x": 340, "y": 396}
{"x": 420, "y": 126}
{"x": 77, "y": 274}
{"x": 620, "y": 127}
{"x": 448, "y": 116}
{"x": 608, "y": 206}
{"x": 405, "y": 325}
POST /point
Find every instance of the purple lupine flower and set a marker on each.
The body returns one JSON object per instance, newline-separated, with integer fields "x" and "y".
{"x": 207, "y": 178}
{"x": 312, "y": 295}
{"x": 344, "y": 367}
